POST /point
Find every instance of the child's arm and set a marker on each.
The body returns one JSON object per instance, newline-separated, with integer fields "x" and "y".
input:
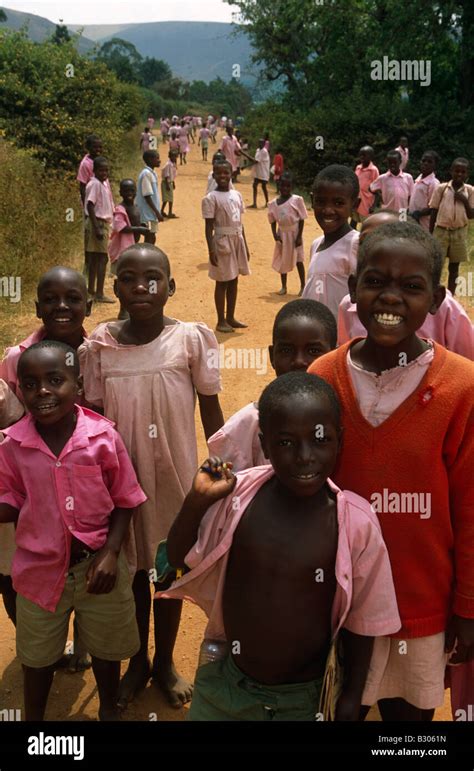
{"x": 8, "y": 513}
{"x": 210, "y": 241}
{"x": 377, "y": 201}
{"x": 246, "y": 245}
{"x": 135, "y": 229}
{"x": 82, "y": 191}
{"x": 211, "y": 414}
{"x": 299, "y": 236}
{"x": 151, "y": 204}
{"x": 434, "y": 214}
{"x": 102, "y": 572}
{"x": 95, "y": 224}
{"x": 276, "y": 235}
{"x": 458, "y": 196}
{"x": 357, "y": 651}
{"x": 213, "y": 481}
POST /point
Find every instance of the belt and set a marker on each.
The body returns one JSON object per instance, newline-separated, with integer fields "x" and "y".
{"x": 222, "y": 231}
{"x": 80, "y": 556}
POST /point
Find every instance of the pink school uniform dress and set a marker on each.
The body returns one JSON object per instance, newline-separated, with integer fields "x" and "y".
{"x": 226, "y": 209}
{"x": 366, "y": 175}
{"x": 424, "y": 188}
{"x": 450, "y": 326}
{"x": 287, "y": 215}
{"x": 229, "y": 146}
{"x": 330, "y": 269}
{"x": 149, "y": 391}
{"x": 145, "y": 140}
{"x": 183, "y": 142}
{"x": 119, "y": 241}
{"x": 396, "y": 189}
{"x": 238, "y": 440}
{"x": 364, "y": 601}
{"x": 86, "y": 170}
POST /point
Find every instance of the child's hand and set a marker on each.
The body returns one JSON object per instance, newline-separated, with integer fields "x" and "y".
{"x": 277, "y": 237}
{"x": 214, "y": 480}
{"x": 299, "y": 241}
{"x": 460, "y": 632}
{"x": 99, "y": 233}
{"x": 348, "y": 707}
{"x": 102, "y": 573}
{"x": 160, "y": 217}
{"x": 213, "y": 259}
{"x": 458, "y": 196}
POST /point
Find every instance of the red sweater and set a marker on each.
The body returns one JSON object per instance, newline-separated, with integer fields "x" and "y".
{"x": 425, "y": 446}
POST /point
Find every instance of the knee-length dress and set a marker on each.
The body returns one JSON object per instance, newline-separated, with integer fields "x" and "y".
{"x": 287, "y": 215}
{"x": 149, "y": 391}
{"x": 226, "y": 209}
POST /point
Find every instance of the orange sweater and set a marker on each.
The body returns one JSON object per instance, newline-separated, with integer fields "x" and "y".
{"x": 425, "y": 447}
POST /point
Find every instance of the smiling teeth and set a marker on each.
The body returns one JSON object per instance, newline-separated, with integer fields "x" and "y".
{"x": 306, "y": 476}
{"x": 388, "y": 319}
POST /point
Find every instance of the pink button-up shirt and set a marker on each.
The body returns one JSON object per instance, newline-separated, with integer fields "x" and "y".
{"x": 86, "y": 169}
{"x": 396, "y": 189}
{"x": 73, "y": 494}
{"x": 422, "y": 192}
{"x": 450, "y": 326}
{"x": 364, "y": 601}
{"x": 100, "y": 194}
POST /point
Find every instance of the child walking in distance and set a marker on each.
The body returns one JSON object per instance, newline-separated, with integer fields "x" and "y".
{"x": 333, "y": 256}
{"x": 203, "y": 140}
{"x": 229, "y": 256}
{"x": 99, "y": 209}
{"x": 425, "y": 185}
{"x": 452, "y": 206}
{"x": 148, "y": 199}
{"x": 286, "y": 215}
{"x": 395, "y": 187}
{"x": 337, "y": 580}
{"x": 407, "y": 411}
{"x": 163, "y": 363}
{"x": 260, "y": 172}
{"x": 303, "y": 330}
{"x": 88, "y": 494}
{"x": 168, "y": 184}
{"x": 366, "y": 173}
{"x": 231, "y": 149}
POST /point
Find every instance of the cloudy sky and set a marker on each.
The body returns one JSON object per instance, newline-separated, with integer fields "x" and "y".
{"x": 114, "y": 12}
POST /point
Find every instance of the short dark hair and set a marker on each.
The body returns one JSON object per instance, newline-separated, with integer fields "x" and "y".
{"x": 393, "y": 153}
{"x": 99, "y": 161}
{"x": 60, "y": 346}
{"x": 287, "y": 176}
{"x": 461, "y": 162}
{"x": 406, "y": 231}
{"x": 139, "y": 249}
{"x": 149, "y": 154}
{"x": 293, "y": 385}
{"x": 91, "y": 139}
{"x": 338, "y": 173}
{"x": 433, "y": 154}
{"x": 311, "y": 309}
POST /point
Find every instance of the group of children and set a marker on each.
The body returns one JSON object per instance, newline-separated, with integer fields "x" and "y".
{"x": 324, "y": 543}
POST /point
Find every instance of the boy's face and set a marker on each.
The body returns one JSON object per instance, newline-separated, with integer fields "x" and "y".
{"x": 49, "y": 385}
{"x": 427, "y": 165}
{"x": 298, "y": 342}
{"x": 96, "y": 149}
{"x": 333, "y": 203}
{"x": 365, "y": 157}
{"x": 101, "y": 171}
{"x": 394, "y": 291}
{"x": 62, "y": 305}
{"x": 301, "y": 441}
{"x": 393, "y": 164}
{"x": 459, "y": 172}
{"x": 143, "y": 285}
{"x": 154, "y": 161}
{"x": 128, "y": 192}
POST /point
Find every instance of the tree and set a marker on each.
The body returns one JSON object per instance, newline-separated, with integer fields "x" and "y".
{"x": 61, "y": 35}
{"x": 122, "y": 58}
{"x": 153, "y": 71}
{"x": 3, "y": 15}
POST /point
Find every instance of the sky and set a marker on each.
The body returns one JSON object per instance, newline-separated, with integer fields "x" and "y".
{"x": 115, "y": 12}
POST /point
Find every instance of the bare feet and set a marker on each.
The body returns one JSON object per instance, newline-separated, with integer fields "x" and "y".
{"x": 134, "y": 680}
{"x": 282, "y": 291}
{"x": 252, "y": 206}
{"x": 176, "y": 689}
{"x": 224, "y": 327}
{"x": 236, "y": 324}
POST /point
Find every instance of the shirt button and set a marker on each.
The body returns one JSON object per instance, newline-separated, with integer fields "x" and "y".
{"x": 58, "y": 463}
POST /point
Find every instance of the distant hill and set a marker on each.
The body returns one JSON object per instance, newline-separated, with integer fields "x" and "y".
{"x": 39, "y": 29}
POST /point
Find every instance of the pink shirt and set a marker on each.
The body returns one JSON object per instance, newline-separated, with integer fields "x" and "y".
{"x": 11, "y": 409}
{"x": 451, "y": 213}
{"x": 204, "y": 133}
{"x": 100, "y": 194}
{"x": 119, "y": 241}
{"x": 228, "y": 146}
{"x": 396, "y": 189}
{"x": 86, "y": 170}
{"x": 422, "y": 192}
{"x": 238, "y": 440}
{"x": 145, "y": 140}
{"x": 405, "y": 153}
{"x": 364, "y": 601}
{"x": 80, "y": 488}
{"x": 329, "y": 270}
{"x": 450, "y": 326}
{"x": 380, "y": 395}
{"x": 169, "y": 171}
{"x": 366, "y": 175}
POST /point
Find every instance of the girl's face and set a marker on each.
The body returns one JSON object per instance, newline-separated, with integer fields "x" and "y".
{"x": 143, "y": 285}
{"x": 333, "y": 203}
{"x": 222, "y": 174}
{"x": 285, "y": 188}
{"x": 394, "y": 291}
{"x": 62, "y": 305}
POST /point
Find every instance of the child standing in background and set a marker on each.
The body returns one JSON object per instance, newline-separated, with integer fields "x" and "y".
{"x": 99, "y": 208}
{"x": 366, "y": 173}
{"x": 163, "y": 362}
{"x": 395, "y": 186}
{"x": 286, "y": 215}
{"x": 407, "y": 412}
{"x": 145, "y": 139}
{"x": 452, "y": 206}
{"x": 183, "y": 143}
{"x": 168, "y": 184}
{"x": 333, "y": 256}
{"x": 86, "y": 167}
{"x": 425, "y": 185}
{"x": 203, "y": 140}
{"x": 278, "y": 167}
{"x": 148, "y": 199}
{"x": 229, "y": 256}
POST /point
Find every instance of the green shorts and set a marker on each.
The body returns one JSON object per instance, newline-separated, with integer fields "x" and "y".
{"x": 107, "y": 624}
{"x": 223, "y": 692}
{"x": 453, "y": 243}
{"x": 91, "y": 242}
{"x": 167, "y": 195}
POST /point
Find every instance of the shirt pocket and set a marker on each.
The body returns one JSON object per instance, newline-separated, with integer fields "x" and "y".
{"x": 92, "y": 502}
